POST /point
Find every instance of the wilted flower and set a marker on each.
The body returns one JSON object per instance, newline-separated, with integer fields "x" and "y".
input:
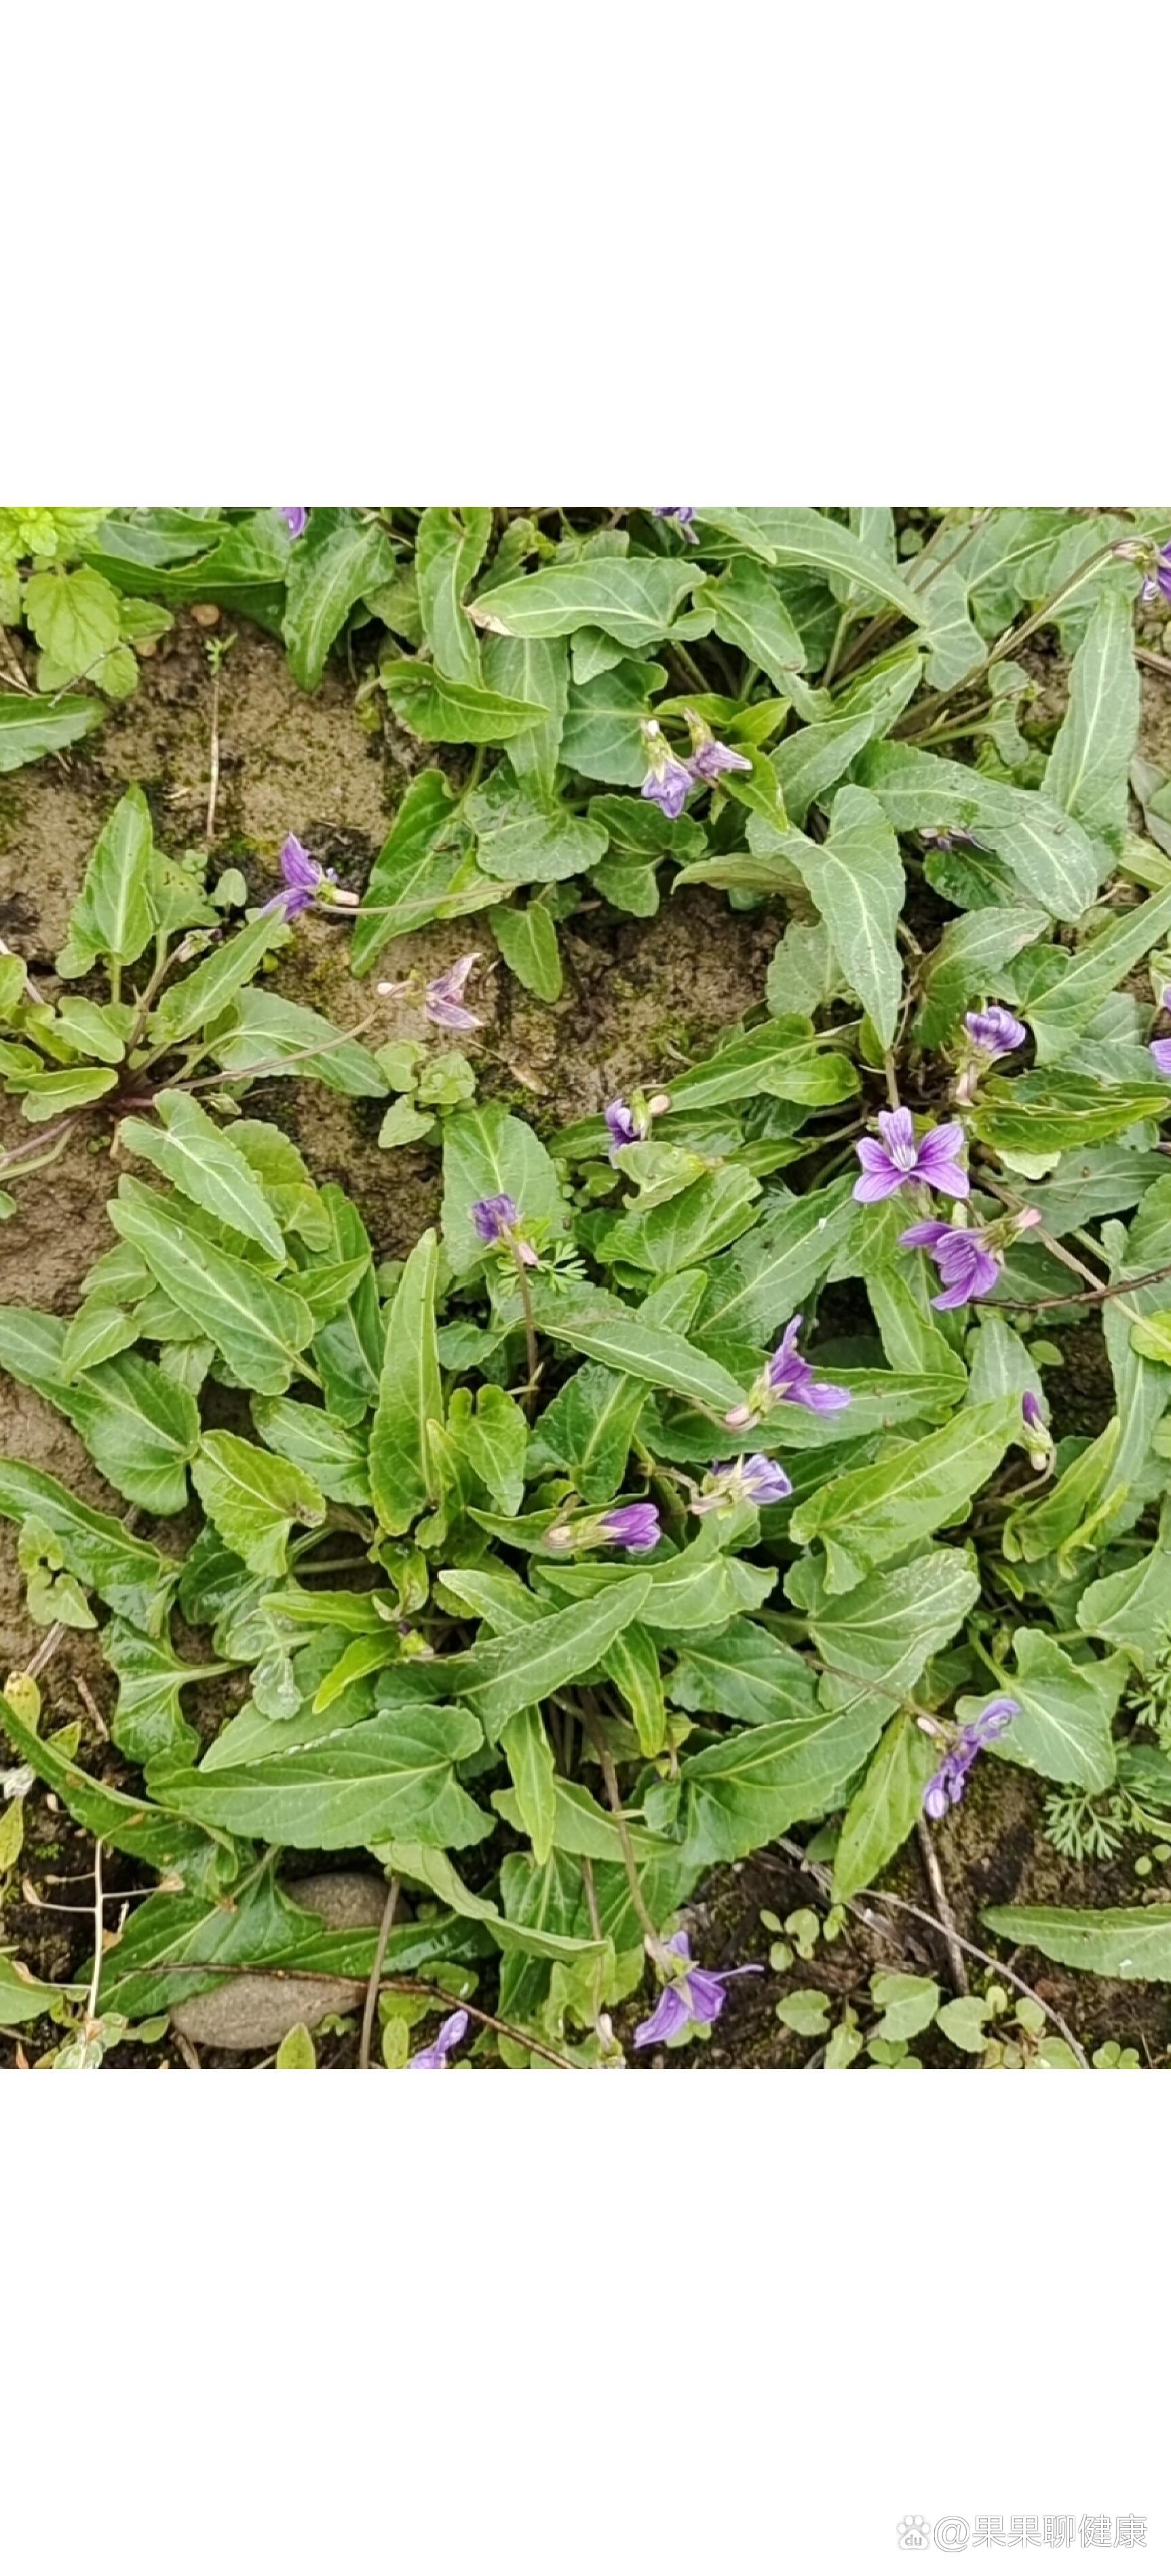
{"x": 496, "y": 1221}
{"x": 304, "y": 880}
{"x": 967, "y": 1263}
{"x": 952, "y": 839}
{"x": 990, "y": 1034}
{"x": 791, "y": 1379}
{"x": 683, "y": 512}
{"x": 667, "y": 780}
{"x": 296, "y": 520}
{"x": 749, "y": 1480}
{"x": 632, "y": 1526}
{"x": 630, "y": 1122}
{"x": 1159, "y": 577}
{"x": 444, "y": 996}
{"x": 1040, "y": 1439}
{"x": 447, "y": 2037}
{"x": 693, "y": 1995}
{"x": 710, "y": 758}
{"x": 899, "y": 1162}
{"x": 947, "y": 1786}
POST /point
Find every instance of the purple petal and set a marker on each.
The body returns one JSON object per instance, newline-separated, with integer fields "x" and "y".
{"x": 493, "y": 1217}
{"x": 633, "y": 1526}
{"x": 444, "y": 996}
{"x": 927, "y": 1235}
{"x": 713, "y": 758}
{"x": 671, "y": 2015}
{"x": 821, "y": 1397}
{"x": 763, "y": 1481}
{"x": 1031, "y": 1410}
{"x": 896, "y": 1128}
{"x": 705, "y": 1993}
{"x": 447, "y": 2037}
{"x": 936, "y": 1163}
{"x": 995, "y": 1031}
{"x": 622, "y": 1123}
{"x": 296, "y": 519}
{"x": 1160, "y": 1050}
{"x": 880, "y": 1179}
{"x": 668, "y": 788}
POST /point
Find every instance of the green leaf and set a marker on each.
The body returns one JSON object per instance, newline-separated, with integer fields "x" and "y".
{"x": 529, "y": 1755}
{"x": 880, "y": 1510}
{"x": 745, "y": 1673}
{"x": 907, "y": 2004}
{"x": 135, "y": 1579}
{"x": 139, "y": 1427}
{"x": 600, "y": 736}
{"x": 1088, "y": 770}
{"x": 1132, "y": 1608}
{"x": 414, "y": 871}
{"x": 258, "y": 1325}
{"x": 632, "y": 1664}
{"x": 334, "y": 1457}
{"x": 269, "y": 1033}
{"x": 537, "y": 675}
{"x": 403, "y": 1478}
{"x": 449, "y": 550}
{"x": 785, "y": 1059}
{"x": 749, "y": 612}
{"x": 1077, "y": 986}
{"x": 1066, "y": 1710}
{"x": 47, "y": 1095}
{"x": 688, "y": 1228}
{"x": 527, "y": 941}
{"x": 75, "y": 618}
{"x": 805, "y": 2011}
{"x": 114, "y": 915}
{"x": 1064, "y": 1518}
{"x": 391, "y": 1776}
{"x": 1032, "y": 1116}
{"x": 23, "y": 1997}
{"x": 92, "y": 1028}
{"x": 148, "y": 1723}
{"x": 348, "y": 1350}
{"x": 1048, "y": 853}
{"x": 1131, "y": 1942}
{"x": 753, "y": 1785}
{"x": 885, "y": 1631}
{"x": 770, "y": 1275}
{"x": 494, "y": 1440}
{"x": 205, "y": 1166}
{"x": 501, "y": 1675}
{"x": 526, "y": 843}
{"x": 30, "y": 732}
{"x": 254, "y": 1499}
{"x": 603, "y": 1329}
{"x": 329, "y": 570}
{"x": 962, "y": 2021}
{"x": 856, "y": 880}
{"x": 488, "y": 1154}
{"x": 804, "y": 976}
{"x": 589, "y": 1427}
{"x": 199, "y": 999}
{"x": 94, "y": 1333}
{"x": 1151, "y": 1337}
{"x": 632, "y": 598}
{"x": 886, "y": 1807}
{"x": 296, "y": 2049}
{"x": 967, "y": 961}
{"x": 441, "y": 710}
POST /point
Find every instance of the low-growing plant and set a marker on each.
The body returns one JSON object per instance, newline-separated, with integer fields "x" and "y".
{"x": 696, "y": 1478}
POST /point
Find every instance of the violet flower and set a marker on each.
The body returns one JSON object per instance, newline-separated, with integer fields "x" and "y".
{"x": 683, "y": 512}
{"x": 1160, "y": 1052}
{"x": 995, "y": 1032}
{"x": 668, "y": 780}
{"x": 496, "y": 1221}
{"x": 947, "y": 1786}
{"x": 447, "y": 2037}
{"x": 444, "y": 996}
{"x": 1159, "y": 577}
{"x": 791, "y": 1379}
{"x": 694, "y": 1995}
{"x": 296, "y": 520}
{"x": 1039, "y": 1442}
{"x": 633, "y": 1526}
{"x": 967, "y": 1263}
{"x": 709, "y": 758}
{"x": 625, "y": 1128}
{"x": 898, "y": 1162}
{"x": 758, "y": 1480}
{"x": 303, "y": 881}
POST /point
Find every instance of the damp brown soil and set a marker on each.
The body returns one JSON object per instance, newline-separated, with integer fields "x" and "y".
{"x": 640, "y": 998}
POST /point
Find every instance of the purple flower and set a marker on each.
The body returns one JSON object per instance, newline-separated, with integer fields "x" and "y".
{"x": 694, "y": 1995}
{"x": 684, "y": 513}
{"x": 448, "y": 2037}
{"x": 496, "y": 1221}
{"x": 947, "y": 1787}
{"x": 667, "y": 780}
{"x": 625, "y": 1128}
{"x": 709, "y": 758}
{"x": 1160, "y": 1050}
{"x": 994, "y": 1032}
{"x": 633, "y": 1526}
{"x": 899, "y": 1162}
{"x": 791, "y": 1379}
{"x": 966, "y": 1262}
{"x": 296, "y": 521}
{"x": 757, "y": 1480}
{"x": 1034, "y": 1418}
{"x": 1159, "y": 577}
{"x": 444, "y": 996}
{"x": 303, "y": 880}
{"x": 1039, "y": 1438}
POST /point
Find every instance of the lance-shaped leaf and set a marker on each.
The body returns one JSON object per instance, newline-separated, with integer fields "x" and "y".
{"x": 1133, "y": 1607}
{"x": 690, "y": 1227}
{"x": 332, "y": 567}
{"x": 1043, "y": 1113}
{"x": 392, "y": 1775}
{"x": 527, "y": 940}
{"x": 603, "y": 1329}
{"x": 254, "y": 1499}
{"x": 518, "y": 1670}
{"x": 537, "y": 673}
{"x": 1065, "y": 1519}
{"x": 488, "y": 1154}
{"x": 786, "y": 1059}
{"x": 1075, "y": 987}
{"x": 24, "y": 1997}
{"x": 769, "y": 1276}
{"x": 696, "y": 1590}
{"x": 333, "y": 1456}
{"x": 529, "y": 843}
{"x": 206, "y": 1166}
{"x": 425, "y": 871}
{"x": 1142, "y": 1382}
{"x": 968, "y": 960}
{"x": 746, "y": 1673}
{"x": 528, "y": 1752}
{"x": 134, "y": 1578}
{"x": 30, "y": 730}
{"x": 1053, "y": 860}
{"x": 886, "y": 1807}
{"x": 856, "y": 880}
{"x": 266, "y": 1031}
{"x": 441, "y": 710}
{"x": 403, "y": 1479}
{"x": 257, "y": 1324}
{"x": 1066, "y": 1710}
{"x": 348, "y": 1349}
{"x": 885, "y": 1630}
{"x": 600, "y": 735}
{"x": 493, "y": 1440}
{"x": 806, "y": 539}
{"x": 632, "y": 598}
{"x": 174, "y": 1947}
{"x": 74, "y": 1086}
{"x": 140, "y": 1826}
{"x": 632, "y": 1664}
{"x": 583, "y": 1827}
{"x": 748, "y": 611}
{"x": 200, "y": 997}
{"x": 878, "y": 1511}
{"x": 751, "y": 1787}
{"x": 449, "y": 550}
{"x": 1088, "y": 770}
{"x": 114, "y": 915}
{"x": 1131, "y": 1942}
{"x": 589, "y": 1427}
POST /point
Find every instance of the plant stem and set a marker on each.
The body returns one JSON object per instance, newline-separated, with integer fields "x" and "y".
{"x": 935, "y": 1882}
{"x": 529, "y": 1393}
{"x": 99, "y": 1933}
{"x": 384, "y": 1930}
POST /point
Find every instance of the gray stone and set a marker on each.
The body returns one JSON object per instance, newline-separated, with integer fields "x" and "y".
{"x": 250, "y": 2012}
